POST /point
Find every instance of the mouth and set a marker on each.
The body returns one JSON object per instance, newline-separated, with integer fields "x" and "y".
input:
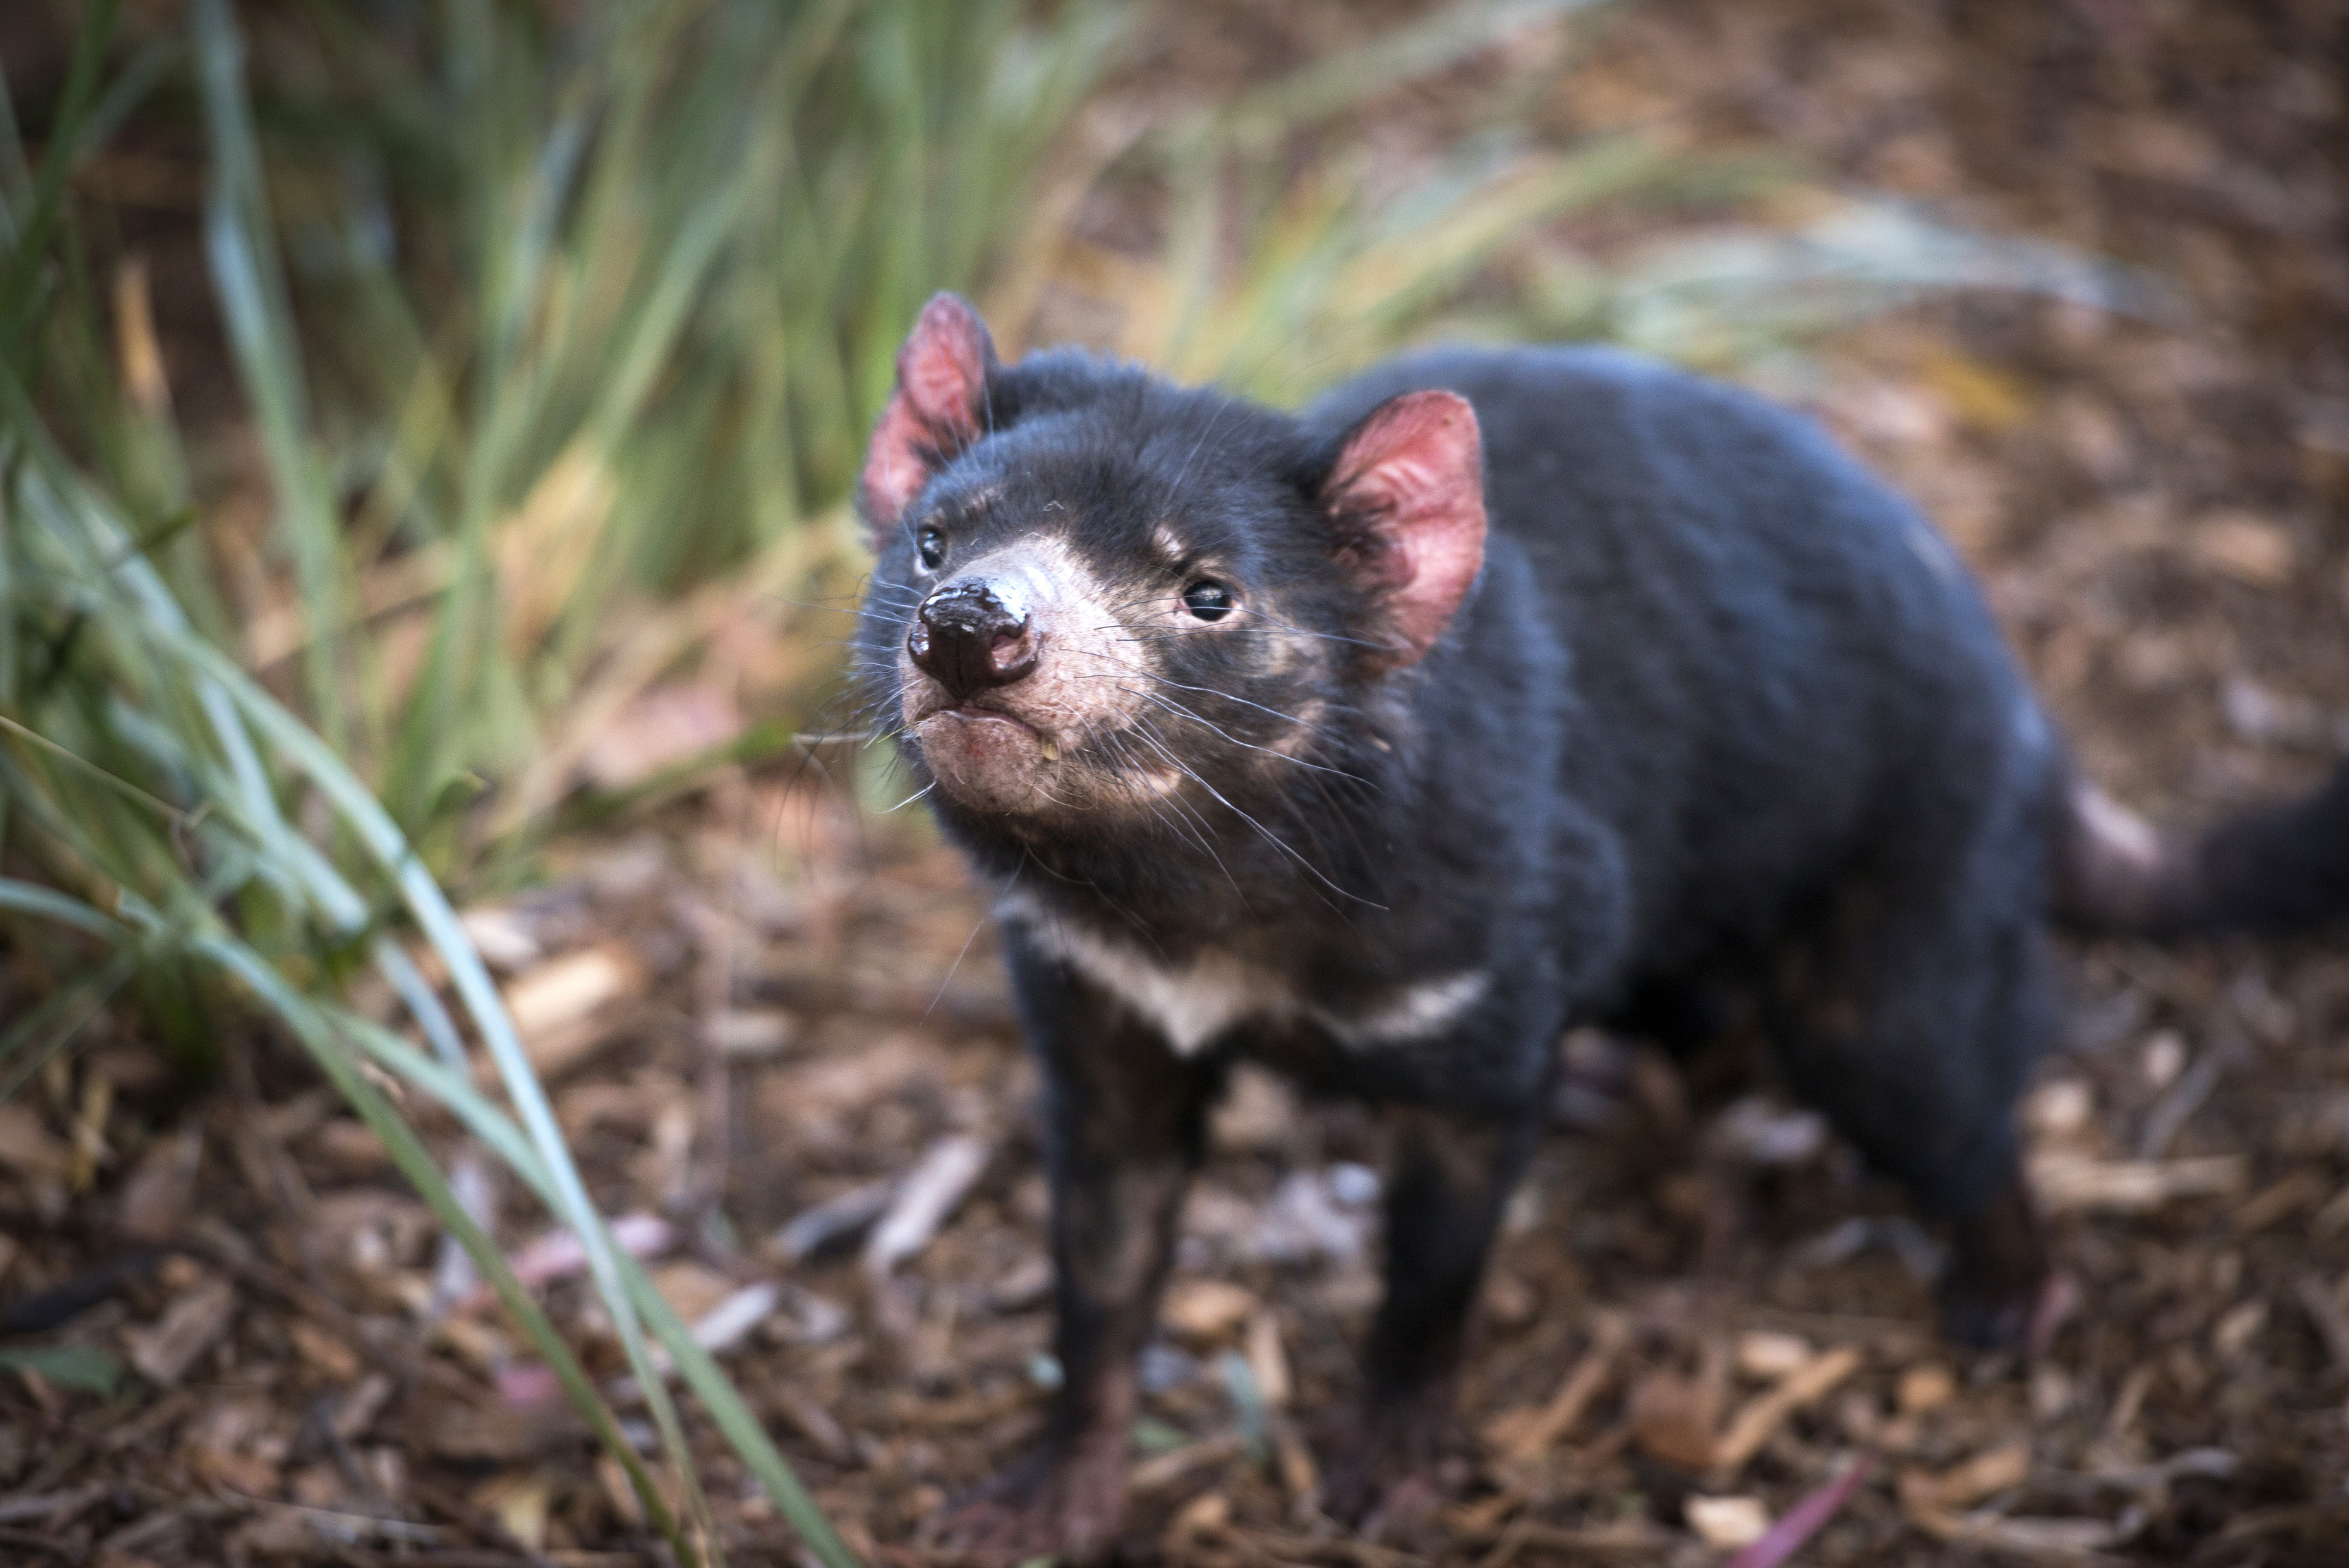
{"x": 984, "y": 756}
{"x": 969, "y": 710}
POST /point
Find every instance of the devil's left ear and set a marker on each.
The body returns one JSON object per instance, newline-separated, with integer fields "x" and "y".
{"x": 1407, "y": 498}
{"x": 942, "y": 374}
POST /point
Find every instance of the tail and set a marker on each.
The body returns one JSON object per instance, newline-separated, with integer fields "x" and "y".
{"x": 2271, "y": 870}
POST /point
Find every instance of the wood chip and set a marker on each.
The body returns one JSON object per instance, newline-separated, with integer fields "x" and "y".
{"x": 2302, "y": 1186}
{"x": 560, "y": 1008}
{"x": 2066, "y": 1184}
{"x": 1963, "y": 1485}
{"x": 1728, "y": 1521}
{"x": 329, "y": 1353}
{"x": 1928, "y": 1385}
{"x": 1752, "y": 1426}
{"x": 1207, "y": 1310}
{"x": 2039, "y": 1540}
{"x": 2235, "y": 1331}
{"x": 502, "y": 936}
{"x": 1163, "y": 1473}
{"x": 1267, "y": 1360}
{"x": 727, "y": 1323}
{"x": 2248, "y": 549}
{"x": 1769, "y": 1354}
{"x": 836, "y": 1220}
{"x": 928, "y": 1193}
{"x": 751, "y": 1033}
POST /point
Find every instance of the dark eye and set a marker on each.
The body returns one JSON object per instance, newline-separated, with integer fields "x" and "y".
{"x": 931, "y": 545}
{"x": 1208, "y": 599}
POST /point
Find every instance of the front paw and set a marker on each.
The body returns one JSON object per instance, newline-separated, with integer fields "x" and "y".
{"x": 1390, "y": 1469}
{"x": 1065, "y": 1499}
{"x": 2002, "y": 1292}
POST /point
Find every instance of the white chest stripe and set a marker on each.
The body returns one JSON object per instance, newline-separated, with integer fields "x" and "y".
{"x": 1194, "y": 1004}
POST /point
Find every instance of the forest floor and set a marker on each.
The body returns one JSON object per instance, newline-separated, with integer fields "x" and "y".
{"x": 765, "y": 1006}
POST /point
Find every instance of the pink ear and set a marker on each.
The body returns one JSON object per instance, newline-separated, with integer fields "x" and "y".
{"x": 941, "y": 380}
{"x": 1409, "y": 488}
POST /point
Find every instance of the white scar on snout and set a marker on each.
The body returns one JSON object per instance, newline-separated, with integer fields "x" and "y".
{"x": 1194, "y": 1004}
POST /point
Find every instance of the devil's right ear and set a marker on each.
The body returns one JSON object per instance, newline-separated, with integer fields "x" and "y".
{"x": 934, "y": 412}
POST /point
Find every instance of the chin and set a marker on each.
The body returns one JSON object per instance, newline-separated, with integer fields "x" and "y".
{"x": 985, "y": 761}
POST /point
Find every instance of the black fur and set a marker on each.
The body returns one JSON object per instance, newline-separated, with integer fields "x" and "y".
{"x": 1721, "y": 709}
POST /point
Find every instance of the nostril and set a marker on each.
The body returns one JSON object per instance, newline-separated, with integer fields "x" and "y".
{"x": 1013, "y": 653}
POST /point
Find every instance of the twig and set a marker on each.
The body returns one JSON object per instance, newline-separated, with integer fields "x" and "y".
{"x": 1753, "y": 1426}
{"x": 1566, "y": 1406}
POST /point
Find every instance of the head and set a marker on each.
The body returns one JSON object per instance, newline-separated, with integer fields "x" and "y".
{"x": 1097, "y": 592}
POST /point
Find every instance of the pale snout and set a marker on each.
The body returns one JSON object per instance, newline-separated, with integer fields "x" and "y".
{"x": 974, "y": 634}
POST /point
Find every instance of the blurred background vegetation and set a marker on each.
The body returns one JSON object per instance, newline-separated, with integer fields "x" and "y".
{"x": 425, "y": 430}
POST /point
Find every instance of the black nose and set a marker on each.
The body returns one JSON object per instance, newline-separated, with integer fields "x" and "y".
{"x": 971, "y": 635}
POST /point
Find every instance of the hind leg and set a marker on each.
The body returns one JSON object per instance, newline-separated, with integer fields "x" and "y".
{"x": 1911, "y": 1016}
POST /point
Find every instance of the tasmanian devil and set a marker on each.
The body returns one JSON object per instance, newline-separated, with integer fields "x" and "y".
{"x": 1498, "y": 691}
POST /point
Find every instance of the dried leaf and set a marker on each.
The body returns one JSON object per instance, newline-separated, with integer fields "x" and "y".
{"x": 1672, "y": 1419}
{"x": 693, "y": 1288}
{"x": 160, "y": 1193}
{"x": 190, "y": 1326}
{"x": 519, "y": 1502}
{"x": 28, "y": 1146}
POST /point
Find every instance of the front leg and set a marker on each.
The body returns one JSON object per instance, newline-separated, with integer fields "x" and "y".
{"x": 1450, "y": 1180}
{"x": 1124, "y": 1124}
